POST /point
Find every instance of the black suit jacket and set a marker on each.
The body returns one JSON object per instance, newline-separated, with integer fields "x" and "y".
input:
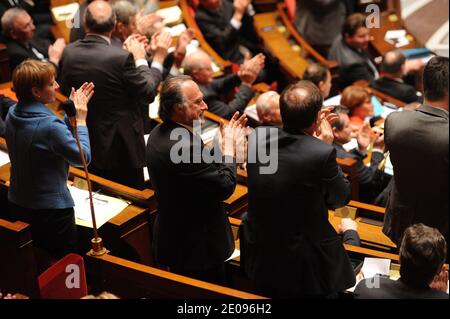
{"x": 18, "y": 52}
{"x": 370, "y": 179}
{"x": 394, "y": 289}
{"x": 418, "y": 144}
{"x": 114, "y": 117}
{"x": 401, "y": 91}
{"x": 354, "y": 65}
{"x": 212, "y": 92}
{"x": 288, "y": 247}
{"x": 192, "y": 229}
{"x": 222, "y": 36}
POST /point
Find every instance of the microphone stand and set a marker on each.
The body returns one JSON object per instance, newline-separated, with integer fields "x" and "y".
{"x": 97, "y": 248}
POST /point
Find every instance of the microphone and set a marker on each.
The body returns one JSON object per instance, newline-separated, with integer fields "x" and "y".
{"x": 70, "y": 110}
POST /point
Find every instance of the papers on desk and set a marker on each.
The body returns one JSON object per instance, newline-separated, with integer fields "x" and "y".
{"x": 4, "y": 158}
{"x": 176, "y": 30}
{"x": 375, "y": 266}
{"x": 65, "y": 12}
{"x": 170, "y": 15}
{"x": 397, "y": 38}
{"x": 236, "y": 253}
{"x": 106, "y": 207}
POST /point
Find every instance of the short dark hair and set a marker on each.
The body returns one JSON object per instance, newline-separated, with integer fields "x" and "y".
{"x": 171, "y": 95}
{"x": 353, "y": 23}
{"x": 102, "y": 26}
{"x": 338, "y": 110}
{"x": 435, "y": 79}
{"x": 299, "y": 112}
{"x": 422, "y": 252}
{"x": 316, "y": 73}
{"x": 393, "y": 61}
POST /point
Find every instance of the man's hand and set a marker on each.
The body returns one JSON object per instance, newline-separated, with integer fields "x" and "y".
{"x": 55, "y": 51}
{"x": 162, "y": 43}
{"x": 364, "y": 137}
{"x": 240, "y": 6}
{"x": 183, "y": 41}
{"x": 347, "y": 224}
{"x": 232, "y": 135}
{"x": 324, "y": 130}
{"x": 139, "y": 37}
{"x": 136, "y": 48}
{"x": 440, "y": 281}
{"x": 250, "y": 69}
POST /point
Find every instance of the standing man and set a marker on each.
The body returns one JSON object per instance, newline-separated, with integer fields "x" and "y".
{"x": 418, "y": 145}
{"x": 192, "y": 234}
{"x": 288, "y": 247}
{"x": 122, "y": 81}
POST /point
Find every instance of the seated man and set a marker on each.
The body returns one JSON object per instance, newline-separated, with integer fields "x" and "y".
{"x": 393, "y": 68}
{"x": 371, "y": 180}
{"x": 19, "y": 30}
{"x": 288, "y": 247}
{"x": 319, "y": 74}
{"x": 192, "y": 235}
{"x": 228, "y": 27}
{"x": 198, "y": 66}
{"x": 422, "y": 254}
{"x": 350, "y": 51}
{"x": 268, "y": 109}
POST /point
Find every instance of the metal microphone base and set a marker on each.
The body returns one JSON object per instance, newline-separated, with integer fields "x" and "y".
{"x": 97, "y": 247}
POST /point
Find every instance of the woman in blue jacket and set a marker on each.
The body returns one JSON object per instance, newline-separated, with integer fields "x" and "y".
{"x": 41, "y": 147}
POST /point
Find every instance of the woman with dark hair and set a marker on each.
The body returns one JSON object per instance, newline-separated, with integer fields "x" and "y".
{"x": 41, "y": 147}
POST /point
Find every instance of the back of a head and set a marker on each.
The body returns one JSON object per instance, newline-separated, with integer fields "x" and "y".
{"x": 264, "y": 102}
{"x": 195, "y": 60}
{"x": 435, "y": 79}
{"x": 422, "y": 253}
{"x": 393, "y": 61}
{"x": 31, "y": 73}
{"x": 354, "y": 96}
{"x": 353, "y": 23}
{"x": 171, "y": 96}
{"x": 99, "y": 17}
{"x": 124, "y": 11}
{"x": 316, "y": 73}
{"x": 299, "y": 104}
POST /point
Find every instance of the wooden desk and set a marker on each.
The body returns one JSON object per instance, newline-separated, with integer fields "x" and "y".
{"x": 272, "y": 34}
{"x": 389, "y": 21}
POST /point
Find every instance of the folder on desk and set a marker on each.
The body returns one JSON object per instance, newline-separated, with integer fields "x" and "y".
{"x": 65, "y": 12}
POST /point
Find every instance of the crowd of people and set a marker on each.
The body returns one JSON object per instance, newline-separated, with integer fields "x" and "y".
{"x": 120, "y": 59}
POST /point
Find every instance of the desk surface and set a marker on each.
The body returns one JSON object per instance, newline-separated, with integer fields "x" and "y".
{"x": 278, "y": 45}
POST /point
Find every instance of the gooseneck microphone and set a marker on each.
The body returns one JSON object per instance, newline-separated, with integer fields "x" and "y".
{"x": 71, "y": 112}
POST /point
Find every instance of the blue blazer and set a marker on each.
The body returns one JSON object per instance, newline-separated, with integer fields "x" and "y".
{"x": 41, "y": 147}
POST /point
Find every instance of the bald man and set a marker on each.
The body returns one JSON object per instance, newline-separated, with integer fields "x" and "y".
{"x": 268, "y": 109}
{"x": 198, "y": 66}
{"x": 122, "y": 80}
{"x": 393, "y": 69}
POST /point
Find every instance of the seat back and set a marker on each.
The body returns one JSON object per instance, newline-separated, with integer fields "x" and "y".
{"x": 66, "y": 279}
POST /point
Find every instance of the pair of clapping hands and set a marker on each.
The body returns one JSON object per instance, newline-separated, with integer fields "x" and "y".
{"x": 80, "y": 99}
{"x": 232, "y": 138}
{"x": 250, "y": 69}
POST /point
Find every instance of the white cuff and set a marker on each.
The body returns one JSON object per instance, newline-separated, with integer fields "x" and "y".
{"x": 236, "y": 24}
{"x": 140, "y": 62}
{"x": 250, "y": 10}
{"x": 158, "y": 66}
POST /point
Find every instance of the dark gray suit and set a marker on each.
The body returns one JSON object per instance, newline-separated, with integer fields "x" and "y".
{"x": 288, "y": 247}
{"x": 418, "y": 144}
{"x": 397, "y": 89}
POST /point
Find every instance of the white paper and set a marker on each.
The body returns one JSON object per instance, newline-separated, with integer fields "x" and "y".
{"x": 105, "y": 207}
{"x": 65, "y": 12}
{"x": 146, "y": 176}
{"x": 176, "y": 30}
{"x": 154, "y": 109}
{"x": 332, "y": 101}
{"x": 251, "y": 112}
{"x": 170, "y": 14}
{"x": 236, "y": 253}
{"x": 4, "y": 158}
{"x": 375, "y": 266}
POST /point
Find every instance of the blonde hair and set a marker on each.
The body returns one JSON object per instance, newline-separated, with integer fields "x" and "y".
{"x": 354, "y": 97}
{"x": 29, "y": 74}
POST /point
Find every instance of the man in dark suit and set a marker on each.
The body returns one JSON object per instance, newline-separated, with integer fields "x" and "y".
{"x": 319, "y": 21}
{"x": 122, "y": 81}
{"x": 228, "y": 27}
{"x": 422, "y": 255}
{"x": 319, "y": 74}
{"x": 198, "y": 66}
{"x": 371, "y": 180}
{"x": 19, "y": 36}
{"x": 288, "y": 247}
{"x": 418, "y": 145}
{"x": 391, "y": 82}
{"x": 350, "y": 51}
{"x": 192, "y": 235}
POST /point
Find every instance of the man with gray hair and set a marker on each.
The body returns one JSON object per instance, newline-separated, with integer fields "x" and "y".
{"x": 125, "y": 20}
{"x": 393, "y": 69}
{"x": 19, "y": 30}
{"x": 268, "y": 109}
{"x": 123, "y": 81}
